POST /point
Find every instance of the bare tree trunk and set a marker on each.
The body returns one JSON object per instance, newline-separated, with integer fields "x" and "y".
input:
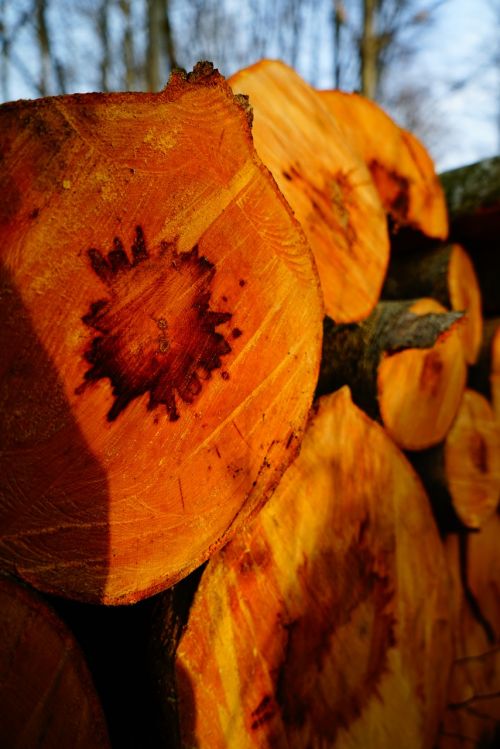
{"x": 368, "y": 44}
{"x": 43, "y": 46}
{"x": 168, "y": 37}
{"x": 103, "y": 32}
{"x": 128, "y": 46}
{"x": 339, "y": 19}
{"x": 153, "y": 54}
{"x": 4, "y": 52}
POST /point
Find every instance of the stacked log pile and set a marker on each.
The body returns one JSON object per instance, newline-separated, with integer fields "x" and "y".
{"x": 236, "y": 328}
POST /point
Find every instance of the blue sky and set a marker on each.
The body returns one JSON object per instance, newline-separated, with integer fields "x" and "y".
{"x": 462, "y": 44}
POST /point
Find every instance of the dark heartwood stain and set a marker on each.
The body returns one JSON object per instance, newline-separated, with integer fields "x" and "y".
{"x": 155, "y": 329}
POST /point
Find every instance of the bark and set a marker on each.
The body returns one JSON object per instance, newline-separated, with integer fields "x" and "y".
{"x": 157, "y": 369}
{"x": 473, "y": 196}
{"x": 47, "y": 698}
{"x": 326, "y": 184}
{"x": 462, "y": 475}
{"x": 404, "y": 366}
{"x": 445, "y": 273}
{"x": 303, "y": 629}
{"x": 400, "y": 166}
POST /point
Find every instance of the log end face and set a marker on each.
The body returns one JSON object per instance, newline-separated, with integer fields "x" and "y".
{"x": 465, "y": 294}
{"x": 472, "y": 461}
{"x": 419, "y": 390}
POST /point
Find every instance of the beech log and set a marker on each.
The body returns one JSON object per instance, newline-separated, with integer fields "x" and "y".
{"x": 157, "y": 371}
{"x": 473, "y": 197}
{"x": 485, "y": 376}
{"x": 465, "y": 469}
{"x": 326, "y": 183}
{"x": 47, "y": 698}
{"x": 472, "y": 716}
{"x": 325, "y": 623}
{"x": 444, "y": 273}
{"x": 404, "y": 366}
{"x": 399, "y": 164}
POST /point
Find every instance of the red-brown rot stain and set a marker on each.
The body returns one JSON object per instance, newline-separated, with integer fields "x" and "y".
{"x": 156, "y": 331}
{"x": 431, "y": 373}
{"x": 479, "y": 452}
{"x": 236, "y": 332}
{"x": 318, "y": 683}
{"x": 394, "y": 187}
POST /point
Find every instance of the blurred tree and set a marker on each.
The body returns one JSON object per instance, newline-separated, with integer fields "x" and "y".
{"x": 364, "y": 45}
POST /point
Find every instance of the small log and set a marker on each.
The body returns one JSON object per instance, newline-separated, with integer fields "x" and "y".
{"x": 157, "y": 371}
{"x": 399, "y": 164}
{"x": 465, "y": 469}
{"x": 472, "y": 716}
{"x": 444, "y": 273}
{"x": 404, "y": 366}
{"x": 473, "y": 197}
{"x": 485, "y": 375}
{"x": 47, "y": 698}
{"x": 315, "y": 627}
{"x": 326, "y": 183}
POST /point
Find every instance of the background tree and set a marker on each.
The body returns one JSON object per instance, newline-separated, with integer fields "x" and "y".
{"x": 51, "y": 47}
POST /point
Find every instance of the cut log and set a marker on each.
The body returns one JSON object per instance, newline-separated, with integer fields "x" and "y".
{"x": 157, "y": 371}
{"x": 400, "y": 165}
{"x": 473, "y": 709}
{"x": 404, "y": 366}
{"x": 444, "y": 273}
{"x": 485, "y": 376}
{"x": 473, "y": 197}
{"x": 465, "y": 468}
{"x": 326, "y": 183}
{"x": 47, "y": 698}
{"x": 327, "y": 621}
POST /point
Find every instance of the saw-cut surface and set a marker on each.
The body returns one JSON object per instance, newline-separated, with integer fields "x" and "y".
{"x": 472, "y": 460}
{"x": 326, "y": 183}
{"x": 495, "y": 372}
{"x": 399, "y": 164}
{"x": 47, "y": 699}
{"x": 325, "y": 623}
{"x": 157, "y": 370}
{"x": 419, "y": 390}
{"x": 473, "y": 704}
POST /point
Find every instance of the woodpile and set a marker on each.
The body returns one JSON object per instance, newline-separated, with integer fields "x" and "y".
{"x": 247, "y": 389}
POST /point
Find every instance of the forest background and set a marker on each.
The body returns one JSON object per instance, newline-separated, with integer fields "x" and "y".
{"x": 434, "y": 65}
